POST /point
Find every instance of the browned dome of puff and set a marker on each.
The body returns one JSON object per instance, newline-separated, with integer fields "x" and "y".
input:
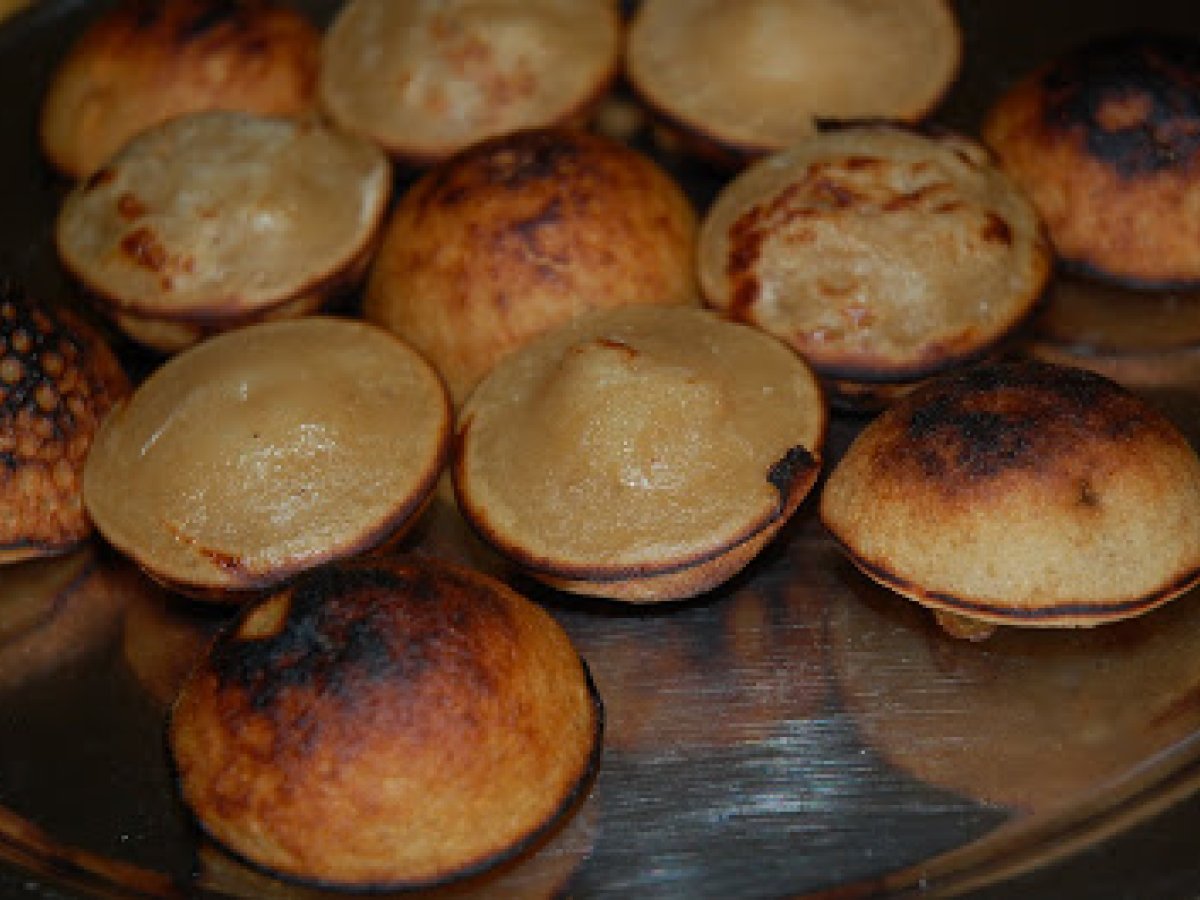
{"x": 1025, "y": 493}
{"x": 145, "y": 61}
{"x": 386, "y": 722}
{"x": 58, "y": 378}
{"x": 1106, "y": 140}
{"x": 522, "y": 233}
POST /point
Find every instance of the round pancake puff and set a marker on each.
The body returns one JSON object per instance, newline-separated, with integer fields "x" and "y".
{"x": 383, "y": 723}
{"x": 426, "y": 80}
{"x": 219, "y": 219}
{"x": 268, "y": 450}
{"x": 145, "y": 61}
{"x": 642, "y": 454}
{"x": 1022, "y": 494}
{"x": 731, "y": 82}
{"x": 58, "y": 379}
{"x": 881, "y": 254}
{"x": 1103, "y": 138}
{"x": 521, "y": 233}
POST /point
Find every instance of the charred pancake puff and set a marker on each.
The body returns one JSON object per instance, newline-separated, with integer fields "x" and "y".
{"x": 145, "y": 61}
{"x": 58, "y": 379}
{"x": 268, "y": 450}
{"x": 386, "y": 723}
{"x": 425, "y": 80}
{"x": 644, "y": 453}
{"x": 215, "y": 220}
{"x": 882, "y": 255}
{"x": 1104, "y": 139}
{"x": 736, "y": 80}
{"x": 522, "y": 233}
{"x": 1021, "y": 494}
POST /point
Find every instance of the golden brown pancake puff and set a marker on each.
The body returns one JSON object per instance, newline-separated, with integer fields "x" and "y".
{"x": 386, "y": 723}
{"x": 736, "y": 80}
{"x": 58, "y": 379}
{"x": 645, "y": 453}
{"x": 217, "y": 219}
{"x": 424, "y": 80}
{"x": 881, "y": 254}
{"x": 1024, "y": 494}
{"x": 146, "y": 61}
{"x": 269, "y": 450}
{"x": 522, "y": 233}
{"x": 1104, "y": 139}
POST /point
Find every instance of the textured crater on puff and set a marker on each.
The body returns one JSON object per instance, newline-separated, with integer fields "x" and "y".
{"x": 57, "y": 380}
{"x": 879, "y": 253}
{"x": 386, "y": 722}
{"x": 1022, "y": 491}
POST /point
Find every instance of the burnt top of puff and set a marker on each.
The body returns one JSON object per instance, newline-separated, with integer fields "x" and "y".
{"x": 338, "y": 628}
{"x": 1134, "y": 100}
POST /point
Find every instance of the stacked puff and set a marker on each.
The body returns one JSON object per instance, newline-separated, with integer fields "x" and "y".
{"x": 1024, "y": 494}
{"x": 145, "y": 61}
{"x": 385, "y": 723}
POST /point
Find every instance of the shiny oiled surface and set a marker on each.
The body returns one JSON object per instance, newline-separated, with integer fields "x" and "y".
{"x": 795, "y": 731}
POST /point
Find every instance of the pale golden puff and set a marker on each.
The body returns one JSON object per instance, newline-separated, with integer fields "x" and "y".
{"x": 215, "y": 220}
{"x": 268, "y": 450}
{"x": 145, "y": 61}
{"x": 881, "y": 254}
{"x": 644, "y": 453}
{"x": 733, "y": 81}
{"x": 426, "y": 80}
{"x": 1023, "y": 494}
{"x": 522, "y": 233}
{"x": 386, "y": 723}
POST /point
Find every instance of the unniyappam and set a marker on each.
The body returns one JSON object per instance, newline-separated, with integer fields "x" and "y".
{"x": 265, "y": 451}
{"x": 644, "y": 453}
{"x": 1021, "y": 493}
{"x": 386, "y": 722}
